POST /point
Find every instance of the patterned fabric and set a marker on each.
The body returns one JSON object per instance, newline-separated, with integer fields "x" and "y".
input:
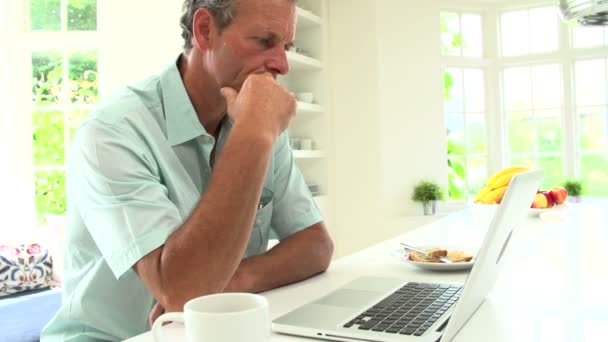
{"x": 24, "y": 268}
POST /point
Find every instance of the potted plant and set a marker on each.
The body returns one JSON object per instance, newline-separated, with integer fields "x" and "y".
{"x": 574, "y": 189}
{"x": 428, "y": 193}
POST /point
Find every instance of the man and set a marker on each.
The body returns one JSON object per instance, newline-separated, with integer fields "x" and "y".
{"x": 175, "y": 184}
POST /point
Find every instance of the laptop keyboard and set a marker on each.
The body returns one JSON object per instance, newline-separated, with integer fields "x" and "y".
{"x": 410, "y": 310}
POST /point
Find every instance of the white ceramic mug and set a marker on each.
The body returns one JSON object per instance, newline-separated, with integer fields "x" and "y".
{"x": 225, "y": 317}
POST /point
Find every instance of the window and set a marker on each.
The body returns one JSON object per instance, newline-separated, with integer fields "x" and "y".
{"x": 461, "y": 34}
{"x": 541, "y": 128}
{"x": 589, "y": 36}
{"x": 464, "y": 103}
{"x": 591, "y": 77}
{"x": 465, "y": 117}
{"x": 533, "y": 111}
{"x": 530, "y": 31}
{"x": 64, "y": 88}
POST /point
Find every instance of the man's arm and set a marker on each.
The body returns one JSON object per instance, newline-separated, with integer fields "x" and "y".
{"x": 300, "y": 256}
{"x": 214, "y": 237}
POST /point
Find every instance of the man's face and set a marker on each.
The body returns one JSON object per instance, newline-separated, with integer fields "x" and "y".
{"x": 254, "y": 42}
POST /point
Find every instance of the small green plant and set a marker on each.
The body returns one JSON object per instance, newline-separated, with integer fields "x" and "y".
{"x": 427, "y": 191}
{"x": 574, "y": 187}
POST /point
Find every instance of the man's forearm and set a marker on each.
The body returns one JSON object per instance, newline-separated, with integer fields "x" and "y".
{"x": 296, "y": 258}
{"x": 213, "y": 239}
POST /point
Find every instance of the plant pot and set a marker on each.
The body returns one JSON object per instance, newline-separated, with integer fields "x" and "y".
{"x": 574, "y": 199}
{"x": 429, "y": 207}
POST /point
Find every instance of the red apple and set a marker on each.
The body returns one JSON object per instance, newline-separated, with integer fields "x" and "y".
{"x": 559, "y": 194}
{"x": 550, "y": 201}
{"x": 540, "y": 201}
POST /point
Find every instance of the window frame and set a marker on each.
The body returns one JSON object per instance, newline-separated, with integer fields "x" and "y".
{"x": 488, "y": 66}
{"x": 19, "y": 43}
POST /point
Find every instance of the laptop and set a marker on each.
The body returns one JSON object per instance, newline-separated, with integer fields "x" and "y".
{"x": 374, "y": 309}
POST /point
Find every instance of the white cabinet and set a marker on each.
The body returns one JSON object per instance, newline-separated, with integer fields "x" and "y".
{"x": 307, "y": 74}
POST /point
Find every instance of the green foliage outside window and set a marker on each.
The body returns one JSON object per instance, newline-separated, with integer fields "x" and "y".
{"x": 456, "y": 162}
{"x": 49, "y": 126}
{"x": 45, "y": 15}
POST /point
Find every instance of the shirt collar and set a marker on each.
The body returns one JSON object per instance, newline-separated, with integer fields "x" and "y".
{"x": 182, "y": 122}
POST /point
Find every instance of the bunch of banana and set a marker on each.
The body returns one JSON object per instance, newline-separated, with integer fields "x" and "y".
{"x": 497, "y": 184}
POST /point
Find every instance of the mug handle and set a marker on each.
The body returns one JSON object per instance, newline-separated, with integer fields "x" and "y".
{"x": 168, "y": 317}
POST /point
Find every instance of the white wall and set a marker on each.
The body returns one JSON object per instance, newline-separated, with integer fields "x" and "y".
{"x": 411, "y": 102}
{"x": 388, "y": 127}
{"x": 138, "y": 38}
{"x": 356, "y": 125}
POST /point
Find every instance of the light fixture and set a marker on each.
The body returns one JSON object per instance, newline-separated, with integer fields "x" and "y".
{"x": 585, "y": 12}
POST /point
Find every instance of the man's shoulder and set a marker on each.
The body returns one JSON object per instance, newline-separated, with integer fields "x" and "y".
{"x": 131, "y": 107}
{"x": 130, "y": 101}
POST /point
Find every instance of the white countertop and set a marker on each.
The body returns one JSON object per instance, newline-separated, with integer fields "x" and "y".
{"x": 551, "y": 289}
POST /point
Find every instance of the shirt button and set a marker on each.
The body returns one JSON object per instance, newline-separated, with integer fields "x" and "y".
{"x": 258, "y": 222}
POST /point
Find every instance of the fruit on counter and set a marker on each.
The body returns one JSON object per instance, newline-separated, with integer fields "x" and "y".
{"x": 555, "y": 196}
{"x": 497, "y": 184}
{"x": 540, "y": 201}
{"x": 559, "y": 194}
{"x": 550, "y": 200}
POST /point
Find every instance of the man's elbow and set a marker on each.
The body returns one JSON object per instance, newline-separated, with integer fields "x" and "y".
{"x": 326, "y": 248}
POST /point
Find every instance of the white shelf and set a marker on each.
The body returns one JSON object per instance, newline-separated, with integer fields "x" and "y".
{"x": 308, "y": 154}
{"x": 301, "y": 62}
{"x": 309, "y": 108}
{"x": 307, "y": 19}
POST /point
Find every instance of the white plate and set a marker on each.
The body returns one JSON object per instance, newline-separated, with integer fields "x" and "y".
{"x": 535, "y": 212}
{"x": 402, "y": 255}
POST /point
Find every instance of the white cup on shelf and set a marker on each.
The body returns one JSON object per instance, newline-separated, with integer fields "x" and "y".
{"x": 226, "y": 317}
{"x": 294, "y": 143}
{"x": 306, "y": 144}
{"x": 306, "y": 97}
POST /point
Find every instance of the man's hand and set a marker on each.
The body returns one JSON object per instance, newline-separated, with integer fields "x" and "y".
{"x": 157, "y": 310}
{"x": 262, "y": 103}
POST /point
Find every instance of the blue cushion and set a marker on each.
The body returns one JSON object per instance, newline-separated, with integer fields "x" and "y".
{"x": 22, "y": 316}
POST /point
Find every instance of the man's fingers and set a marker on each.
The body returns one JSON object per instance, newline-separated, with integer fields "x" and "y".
{"x": 157, "y": 310}
{"x": 229, "y": 94}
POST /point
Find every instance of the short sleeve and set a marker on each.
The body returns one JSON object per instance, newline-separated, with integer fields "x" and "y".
{"x": 294, "y": 206}
{"x": 119, "y": 194}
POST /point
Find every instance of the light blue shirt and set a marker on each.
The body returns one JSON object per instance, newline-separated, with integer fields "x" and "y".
{"x": 137, "y": 168}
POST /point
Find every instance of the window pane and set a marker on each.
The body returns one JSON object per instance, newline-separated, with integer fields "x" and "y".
{"x": 456, "y": 178}
{"x": 455, "y": 134}
{"x": 75, "y": 119}
{"x": 474, "y": 90}
{"x": 521, "y": 132}
{"x": 45, "y": 15}
{"x": 476, "y": 133}
{"x": 522, "y": 161}
{"x": 82, "y": 15}
{"x": 47, "y": 76}
{"x": 587, "y": 36}
{"x": 594, "y": 172}
{"x": 514, "y": 33}
{"x": 50, "y": 193}
{"x": 453, "y": 84}
{"x": 517, "y": 89}
{"x": 547, "y": 86}
{"x": 471, "y": 35}
{"x": 593, "y": 128}
{"x": 477, "y": 174}
{"x": 590, "y": 89}
{"x": 451, "y": 39}
{"x": 48, "y": 142}
{"x": 554, "y": 171}
{"x": 549, "y": 130}
{"x": 83, "y": 77}
{"x": 544, "y": 30}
